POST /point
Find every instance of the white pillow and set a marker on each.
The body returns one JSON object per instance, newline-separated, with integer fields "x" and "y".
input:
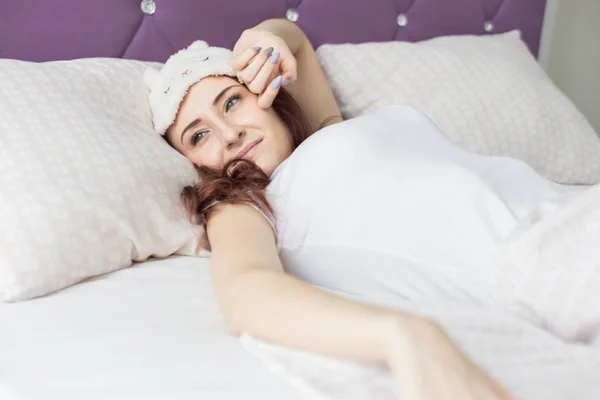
{"x": 86, "y": 186}
{"x": 384, "y": 206}
{"x": 551, "y": 267}
{"x": 486, "y": 93}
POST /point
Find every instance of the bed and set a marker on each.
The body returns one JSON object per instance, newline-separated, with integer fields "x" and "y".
{"x": 153, "y": 331}
{"x": 68, "y": 347}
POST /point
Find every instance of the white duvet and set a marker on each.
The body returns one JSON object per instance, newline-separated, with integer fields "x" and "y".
{"x": 531, "y": 363}
{"x": 551, "y": 267}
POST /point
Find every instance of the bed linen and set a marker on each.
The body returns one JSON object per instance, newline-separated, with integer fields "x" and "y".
{"x": 152, "y": 331}
{"x": 551, "y": 267}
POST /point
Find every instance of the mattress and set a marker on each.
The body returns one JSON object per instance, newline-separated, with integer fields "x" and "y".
{"x": 152, "y": 331}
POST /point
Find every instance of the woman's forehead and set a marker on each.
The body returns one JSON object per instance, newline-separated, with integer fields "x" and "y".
{"x": 210, "y": 86}
{"x": 202, "y": 94}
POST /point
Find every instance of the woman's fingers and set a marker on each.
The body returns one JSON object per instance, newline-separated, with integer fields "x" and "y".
{"x": 249, "y": 73}
{"x": 265, "y": 100}
{"x": 268, "y": 72}
{"x": 264, "y": 71}
{"x": 289, "y": 68}
{"x": 240, "y": 62}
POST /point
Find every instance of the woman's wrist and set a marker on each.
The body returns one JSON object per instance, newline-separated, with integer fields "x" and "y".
{"x": 403, "y": 330}
{"x": 291, "y": 34}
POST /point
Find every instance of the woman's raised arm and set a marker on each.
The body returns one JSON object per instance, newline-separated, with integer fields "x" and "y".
{"x": 276, "y": 51}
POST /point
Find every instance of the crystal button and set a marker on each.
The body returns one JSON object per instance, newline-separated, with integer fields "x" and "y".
{"x": 488, "y": 26}
{"x": 291, "y": 14}
{"x": 402, "y": 20}
{"x": 148, "y": 7}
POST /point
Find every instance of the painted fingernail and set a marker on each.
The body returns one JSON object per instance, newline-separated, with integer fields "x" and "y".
{"x": 258, "y": 49}
{"x": 269, "y": 51}
{"x": 274, "y": 58}
{"x": 286, "y": 82}
{"x": 276, "y": 82}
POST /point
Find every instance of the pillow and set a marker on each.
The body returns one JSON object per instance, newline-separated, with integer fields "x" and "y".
{"x": 551, "y": 267}
{"x": 87, "y": 187}
{"x": 486, "y": 93}
{"x": 384, "y": 206}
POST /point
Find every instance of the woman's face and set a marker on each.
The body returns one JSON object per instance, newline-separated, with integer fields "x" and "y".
{"x": 219, "y": 120}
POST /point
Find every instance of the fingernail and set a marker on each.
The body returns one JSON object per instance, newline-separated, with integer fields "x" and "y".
{"x": 286, "y": 82}
{"x": 269, "y": 51}
{"x": 258, "y": 49}
{"x": 276, "y": 82}
{"x": 274, "y": 58}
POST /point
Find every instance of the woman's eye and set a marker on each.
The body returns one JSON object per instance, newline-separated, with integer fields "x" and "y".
{"x": 196, "y": 137}
{"x": 231, "y": 102}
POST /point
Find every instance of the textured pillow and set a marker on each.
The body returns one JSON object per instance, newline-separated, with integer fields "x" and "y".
{"x": 486, "y": 93}
{"x": 86, "y": 186}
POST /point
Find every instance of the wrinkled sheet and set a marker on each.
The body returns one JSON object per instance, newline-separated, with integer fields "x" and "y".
{"x": 531, "y": 363}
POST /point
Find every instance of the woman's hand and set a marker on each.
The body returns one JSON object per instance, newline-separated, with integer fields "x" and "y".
{"x": 264, "y": 62}
{"x": 428, "y": 366}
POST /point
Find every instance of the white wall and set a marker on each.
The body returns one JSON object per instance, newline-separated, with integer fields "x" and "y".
{"x": 570, "y": 52}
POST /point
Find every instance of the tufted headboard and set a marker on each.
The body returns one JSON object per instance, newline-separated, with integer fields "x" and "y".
{"x": 151, "y": 30}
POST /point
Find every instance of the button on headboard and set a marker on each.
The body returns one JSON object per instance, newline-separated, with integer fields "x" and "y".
{"x": 38, "y": 30}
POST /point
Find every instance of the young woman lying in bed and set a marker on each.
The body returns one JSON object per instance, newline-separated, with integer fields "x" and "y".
{"x": 239, "y": 116}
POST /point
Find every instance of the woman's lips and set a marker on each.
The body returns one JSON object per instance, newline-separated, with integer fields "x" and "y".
{"x": 249, "y": 149}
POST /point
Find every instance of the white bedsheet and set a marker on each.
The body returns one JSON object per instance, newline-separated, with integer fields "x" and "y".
{"x": 152, "y": 331}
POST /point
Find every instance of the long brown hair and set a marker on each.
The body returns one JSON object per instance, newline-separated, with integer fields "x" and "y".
{"x": 241, "y": 180}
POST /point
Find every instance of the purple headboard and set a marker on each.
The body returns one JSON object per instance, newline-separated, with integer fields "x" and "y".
{"x": 151, "y": 30}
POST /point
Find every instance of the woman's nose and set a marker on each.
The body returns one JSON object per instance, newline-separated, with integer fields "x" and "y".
{"x": 233, "y": 135}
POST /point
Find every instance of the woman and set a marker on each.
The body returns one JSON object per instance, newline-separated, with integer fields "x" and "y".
{"x": 258, "y": 104}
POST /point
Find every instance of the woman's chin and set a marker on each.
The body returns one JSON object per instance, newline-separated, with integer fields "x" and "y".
{"x": 267, "y": 167}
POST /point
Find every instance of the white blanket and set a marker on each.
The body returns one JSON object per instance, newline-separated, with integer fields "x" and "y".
{"x": 531, "y": 363}
{"x": 551, "y": 267}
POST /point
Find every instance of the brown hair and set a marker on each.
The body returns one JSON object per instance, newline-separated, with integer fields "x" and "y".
{"x": 241, "y": 180}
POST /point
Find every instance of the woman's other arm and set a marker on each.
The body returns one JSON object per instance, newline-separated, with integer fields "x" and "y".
{"x": 257, "y": 297}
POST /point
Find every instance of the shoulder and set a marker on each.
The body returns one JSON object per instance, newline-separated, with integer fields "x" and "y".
{"x": 238, "y": 223}
{"x": 240, "y": 239}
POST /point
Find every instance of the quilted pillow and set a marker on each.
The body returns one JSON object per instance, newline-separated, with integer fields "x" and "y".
{"x": 486, "y": 93}
{"x": 87, "y": 187}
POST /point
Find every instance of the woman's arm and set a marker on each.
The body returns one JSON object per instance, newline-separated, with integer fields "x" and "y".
{"x": 309, "y": 86}
{"x": 257, "y": 297}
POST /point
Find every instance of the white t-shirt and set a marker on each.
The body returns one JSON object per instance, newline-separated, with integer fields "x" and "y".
{"x": 385, "y": 207}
